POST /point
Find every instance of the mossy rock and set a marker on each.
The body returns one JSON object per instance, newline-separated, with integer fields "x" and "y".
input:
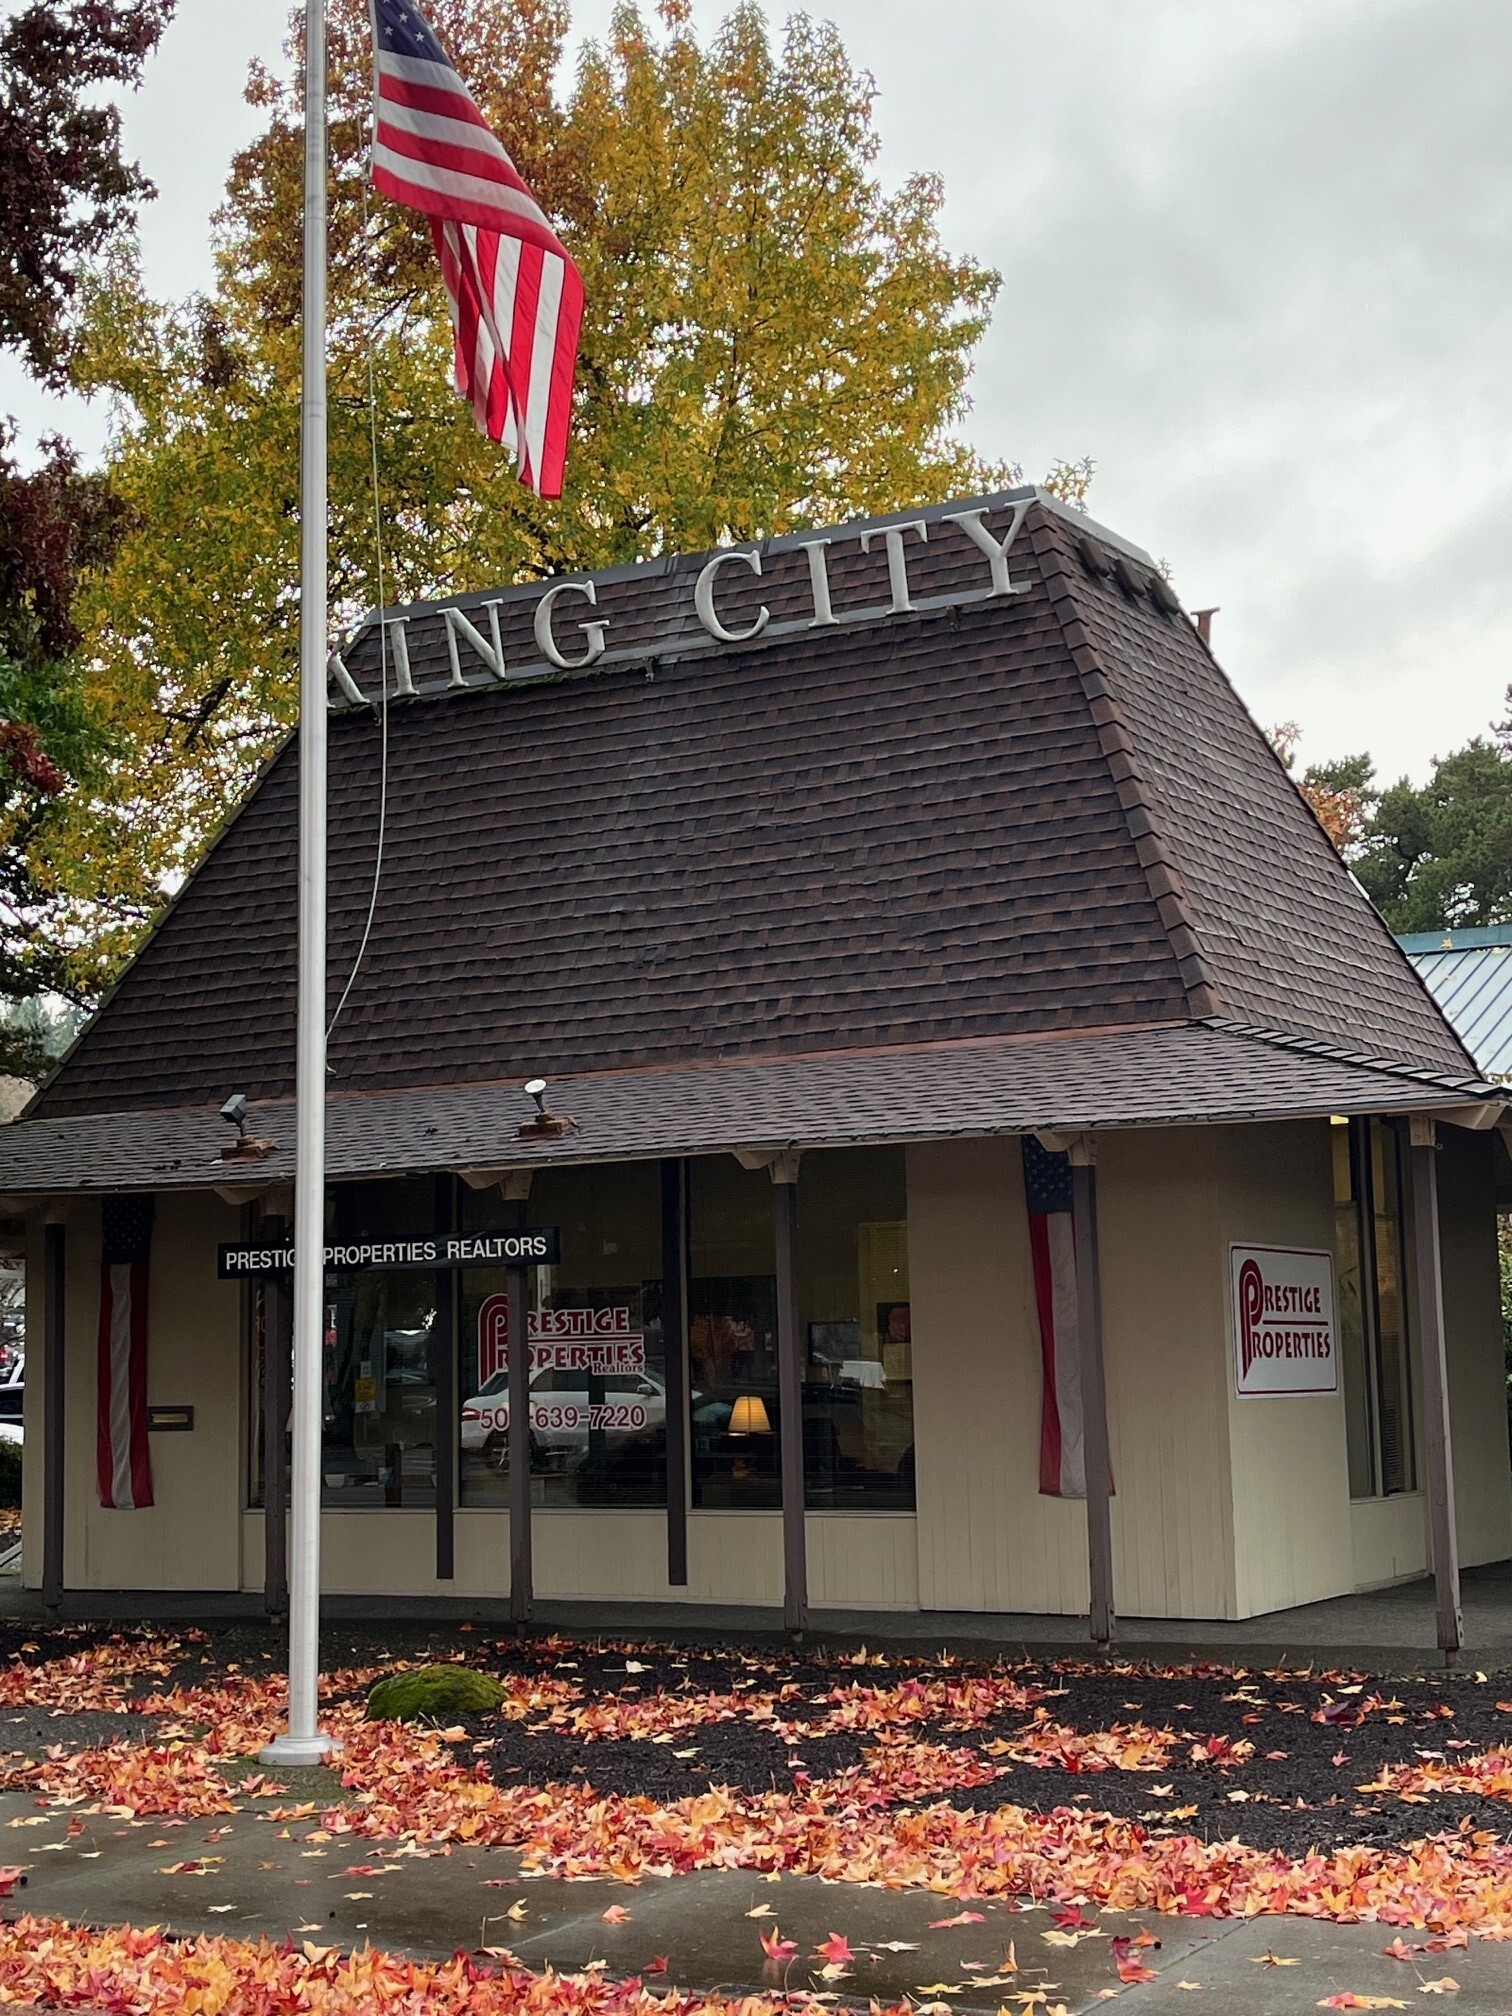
{"x": 433, "y": 1694}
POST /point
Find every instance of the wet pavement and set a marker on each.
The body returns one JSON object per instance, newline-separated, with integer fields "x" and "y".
{"x": 250, "y": 1877}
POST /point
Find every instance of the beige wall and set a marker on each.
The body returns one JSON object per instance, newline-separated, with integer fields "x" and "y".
{"x": 1223, "y": 1508}
{"x": 854, "y": 1562}
{"x": 188, "y": 1538}
{"x": 987, "y": 1539}
{"x": 1293, "y": 1539}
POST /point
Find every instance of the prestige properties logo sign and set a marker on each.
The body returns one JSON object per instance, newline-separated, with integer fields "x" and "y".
{"x": 1285, "y": 1332}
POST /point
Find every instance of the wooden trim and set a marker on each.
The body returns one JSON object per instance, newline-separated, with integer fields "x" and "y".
{"x": 521, "y": 1589}
{"x": 790, "y": 1410}
{"x": 278, "y": 1315}
{"x": 674, "y": 1246}
{"x": 54, "y": 1362}
{"x": 444, "y": 1346}
{"x": 1437, "y": 1441}
{"x": 1094, "y": 1393}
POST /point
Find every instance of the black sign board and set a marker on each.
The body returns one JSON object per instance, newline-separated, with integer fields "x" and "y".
{"x": 541, "y": 1246}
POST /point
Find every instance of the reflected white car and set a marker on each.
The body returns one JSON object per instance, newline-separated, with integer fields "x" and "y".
{"x": 562, "y": 1411}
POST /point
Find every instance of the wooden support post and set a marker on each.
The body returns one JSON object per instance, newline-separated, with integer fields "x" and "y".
{"x": 674, "y": 1246}
{"x": 790, "y": 1402}
{"x": 54, "y": 1373}
{"x": 277, "y": 1397}
{"x": 1437, "y": 1441}
{"x": 448, "y": 1405}
{"x": 1094, "y": 1395}
{"x": 521, "y": 1587}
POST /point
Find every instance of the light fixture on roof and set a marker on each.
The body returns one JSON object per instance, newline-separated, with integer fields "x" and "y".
{"x": 543, "y": 1126}
{"x": 244, "y": 1148}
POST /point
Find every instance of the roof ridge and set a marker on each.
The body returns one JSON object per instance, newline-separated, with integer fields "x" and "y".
{"x": 1162, "y": 873}
{"x": 1316, "y": 1046}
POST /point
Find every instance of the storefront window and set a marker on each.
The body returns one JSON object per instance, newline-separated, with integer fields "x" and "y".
{"x": 858, "y": 1442}
{"x": 378, "y": 1445}
{"x": 855, "y": 1319}
{"x": 1372, "y": 1307}
{"x": 732, "y": 1336}
{"x": 598, "y": 1394}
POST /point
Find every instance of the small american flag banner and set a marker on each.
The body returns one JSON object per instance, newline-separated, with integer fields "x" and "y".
{"x": 1052, "y": 1243}
{"x": 516, "y": 297}
{"x": 122, "y": 1460}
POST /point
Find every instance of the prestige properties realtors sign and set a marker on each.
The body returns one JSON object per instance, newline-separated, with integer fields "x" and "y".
{"x": 246, "y": 1261}
{"x": 1285, "y": 1335}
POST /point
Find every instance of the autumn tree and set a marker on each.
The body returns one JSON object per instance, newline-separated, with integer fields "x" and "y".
{"x": 772, "y": 339}
{"x": 65, "y": 192}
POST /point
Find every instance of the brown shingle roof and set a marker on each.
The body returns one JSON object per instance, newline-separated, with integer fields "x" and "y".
{"x": 1045, "y": 812}
{"x": 1168, "y": 1076}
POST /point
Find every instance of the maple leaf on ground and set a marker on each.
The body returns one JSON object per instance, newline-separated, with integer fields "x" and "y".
{"x": 1446, "y": 1986}
{"x": 658, "y": 1964}
{"x": 1134, "y": 1970}
{"x": 961, "y": 1918}
{"x": 1348, "y": 2001}
{"x": 616, "y": 1915}
{"x": 1270, "y": 1959}
{"x": 776, "y": 1947}
{"x": 1072, "y": 1918}
{"x": 1399, "y": 1950}
{"x": 835, "y": 1950}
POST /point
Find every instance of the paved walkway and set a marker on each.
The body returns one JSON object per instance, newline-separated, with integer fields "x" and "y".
{"x": 1391, "y": 1630}
{"x": 250, "y": 1878}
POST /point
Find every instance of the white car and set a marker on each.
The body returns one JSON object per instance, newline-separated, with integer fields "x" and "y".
{"x": 562, "y": 1411}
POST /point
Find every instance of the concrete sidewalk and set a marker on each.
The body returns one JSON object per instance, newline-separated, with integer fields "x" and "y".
{"x": 1391, "y": 1630}
{"x": 248, "y": 1878}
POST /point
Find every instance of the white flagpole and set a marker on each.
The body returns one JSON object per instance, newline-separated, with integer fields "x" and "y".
{"x": 303, "y": 1742}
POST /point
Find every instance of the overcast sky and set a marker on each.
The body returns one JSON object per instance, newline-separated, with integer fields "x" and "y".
{"x": 1257, "y": 262}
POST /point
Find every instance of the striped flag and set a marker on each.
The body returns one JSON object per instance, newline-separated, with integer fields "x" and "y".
{"x": 123, "y": 1465}
{"x": 1052, "y": 1243}
{"x": 516, "y": 297}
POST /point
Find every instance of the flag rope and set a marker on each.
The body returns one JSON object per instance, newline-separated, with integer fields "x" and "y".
{"x": 383, "y": 708}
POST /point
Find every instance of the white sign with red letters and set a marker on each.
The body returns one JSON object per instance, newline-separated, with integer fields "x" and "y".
{"x": 1286, "y": 1338}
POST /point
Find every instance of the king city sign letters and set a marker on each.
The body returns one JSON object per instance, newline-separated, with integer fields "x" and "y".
{"x": 1285, "y": 1334}
{"x": 570, "y": 630}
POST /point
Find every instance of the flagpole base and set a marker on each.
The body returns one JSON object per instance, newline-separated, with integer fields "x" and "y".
{"x": 291, "y": 1752}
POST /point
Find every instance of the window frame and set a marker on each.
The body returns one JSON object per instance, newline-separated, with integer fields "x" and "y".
{"x": 1366, "y": 1210}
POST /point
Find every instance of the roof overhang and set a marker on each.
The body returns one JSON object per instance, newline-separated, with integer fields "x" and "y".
{"x": 1169, "y": 1075}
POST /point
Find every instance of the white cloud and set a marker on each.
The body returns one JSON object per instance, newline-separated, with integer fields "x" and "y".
{"x": 1255, "y": 263}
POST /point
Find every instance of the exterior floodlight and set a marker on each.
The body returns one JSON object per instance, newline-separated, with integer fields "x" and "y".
{"x": 242, "y": 1149}
{"x": 543, "y": 1126}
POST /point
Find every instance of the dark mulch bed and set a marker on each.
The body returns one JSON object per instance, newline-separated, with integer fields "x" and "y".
{"x": 1305, "y": 1799}
{"x": 35, "y": 1730}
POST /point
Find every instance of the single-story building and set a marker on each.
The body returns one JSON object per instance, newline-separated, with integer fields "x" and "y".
{"x": 991, "y": 1156}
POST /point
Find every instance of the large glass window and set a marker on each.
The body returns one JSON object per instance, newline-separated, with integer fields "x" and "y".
{"x": 379, "y": 1373}
{"x": 598, "y": 1392}
{"x": 856, "y": 1333}
{"x": 1369, "y": 1245}
{"x": 378, "y": 1363}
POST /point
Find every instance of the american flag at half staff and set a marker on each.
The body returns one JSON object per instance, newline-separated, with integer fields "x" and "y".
{"x": 516, "y": 297}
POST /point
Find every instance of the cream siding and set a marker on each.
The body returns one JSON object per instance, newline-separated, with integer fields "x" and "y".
{"x": 1223, "y": 1507}
{"x": 188, "y": 1538}
{"x": 855, "y": 1562}
{"x": 1293, "y": 1539}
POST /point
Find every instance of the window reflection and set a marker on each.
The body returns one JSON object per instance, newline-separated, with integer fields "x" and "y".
{"x": 598, "y": 1399}
{"x": 856, "y": 1322}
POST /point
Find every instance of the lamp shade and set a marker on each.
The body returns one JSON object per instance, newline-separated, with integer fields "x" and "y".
{"x": 749, "y": 1416}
